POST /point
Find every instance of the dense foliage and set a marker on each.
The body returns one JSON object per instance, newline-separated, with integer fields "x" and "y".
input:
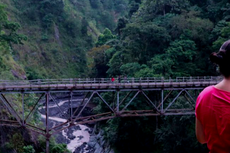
{"x": 161, "y": 38}
{"x": 104, "y": 38}
{"x": 58, "y": 33}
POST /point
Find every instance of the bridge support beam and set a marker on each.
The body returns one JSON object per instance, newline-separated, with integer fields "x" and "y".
{"x": 47, "y": 123}
{"x": 118, "y": 105}
{"x": 10, "y": 108}
{"x": 47, "y": 145}
{"x": 162, "y": 101}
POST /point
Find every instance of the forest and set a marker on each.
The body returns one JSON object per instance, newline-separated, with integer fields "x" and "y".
{"x": 47, "y": 39}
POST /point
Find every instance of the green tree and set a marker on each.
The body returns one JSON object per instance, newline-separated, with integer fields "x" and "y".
{"x": 162, "y": 65}
{"x": 98, "y": 66}
{"x": 54, "y": 7}
{"x": 146, "y": 71}
{"x": 3, "y": 16}
{"x": 120, "y": 25}
{"x": 60, "y": 148}
{"x": 130, "y": 69}
{"x": 28, "y": 149}
{"x": 8, "y": 30}
{"x": 222, "y": 31}
{"x": 114, "y": 64}
{"x": 95, "y": 3}
{"x": 143, "y": 41}
{"x": 108, "y": 4}
{"x": 49, "y": 11}
{"x": 178, "y": 54}
{"x": 84, "y": 27}
{"x": 133, "y": 8}
{"x": 17, "y": 142}
{"x": 183, "y": 52}
{"x": 167, "y": 6}
{"x": 105, "y": 37}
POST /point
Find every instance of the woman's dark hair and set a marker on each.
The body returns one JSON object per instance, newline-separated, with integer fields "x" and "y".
{"x": 222, "y": 58}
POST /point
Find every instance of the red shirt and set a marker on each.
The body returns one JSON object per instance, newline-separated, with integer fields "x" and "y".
{"x": 213, "y": 111}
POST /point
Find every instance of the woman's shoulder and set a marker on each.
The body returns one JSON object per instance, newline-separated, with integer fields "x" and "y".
{"x": 204, "y": 97}
{"x": 208, "y": 90}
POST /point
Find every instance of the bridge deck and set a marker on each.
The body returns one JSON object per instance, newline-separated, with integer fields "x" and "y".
{"x": 33, "y": 87}
{"x": 105, "y": 83}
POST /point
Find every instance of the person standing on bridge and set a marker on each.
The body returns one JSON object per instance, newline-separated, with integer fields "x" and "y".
{"x": 213, "y": 107}
{"x": 112, "y": 79}
{"x": 119, "y": 79}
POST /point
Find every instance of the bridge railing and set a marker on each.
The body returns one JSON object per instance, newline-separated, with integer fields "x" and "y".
{"x": 198, "y": 79}
{"x": 108, "y": 80}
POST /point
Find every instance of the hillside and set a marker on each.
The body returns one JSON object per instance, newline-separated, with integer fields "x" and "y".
{"x": 59, "y": 33}
{"x": 48, "y": 39}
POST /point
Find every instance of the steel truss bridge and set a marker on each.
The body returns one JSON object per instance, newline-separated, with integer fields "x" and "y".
{"x": 127, "y": 97}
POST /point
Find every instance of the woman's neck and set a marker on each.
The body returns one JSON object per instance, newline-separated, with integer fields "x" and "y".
{"x": 224, "y": 84}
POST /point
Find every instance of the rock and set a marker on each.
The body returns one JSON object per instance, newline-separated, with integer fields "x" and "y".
{"x": 92, "y": 138}
{"x": 98, "y": 148}
{"x": 80, "y": 137}
{"x": 89, "y": 130}
{"x": 81, "y": 149}
{"x": 91, "y": 144}
{"x": 71, "y": 137}
{"x": 102, "y": 143}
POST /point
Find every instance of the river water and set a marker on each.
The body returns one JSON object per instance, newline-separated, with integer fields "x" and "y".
{"x": 75, "y": 137}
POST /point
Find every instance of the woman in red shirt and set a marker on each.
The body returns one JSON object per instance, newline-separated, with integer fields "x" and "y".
{"x": 213, "y": 107}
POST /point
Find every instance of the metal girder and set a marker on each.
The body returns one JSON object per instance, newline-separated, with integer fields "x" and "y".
{"x": 118, "y": 103}
{"x": 173, "y": 101}
{"x": 47, "y": 122}
{"x": 158, "y": 110}
{"x": 27, "y": 119}
{"x": 61, "y": 111}
{"x": 78, "y": 108}
{"x": 131, "y": 100}
{"x": 85, "y": 104}
{"x": 71, "y": 104}
{"x": 162, "y": 107}
{"x": 105, "y": 102}
{"x": 154, "y": 106}
{"x": 10, "y": 108}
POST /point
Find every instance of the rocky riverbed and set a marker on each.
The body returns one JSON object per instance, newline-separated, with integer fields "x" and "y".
{"x": 79, "y": 138}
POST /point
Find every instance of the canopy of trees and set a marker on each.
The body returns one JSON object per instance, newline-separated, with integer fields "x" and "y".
{"x": 162, "y": 38}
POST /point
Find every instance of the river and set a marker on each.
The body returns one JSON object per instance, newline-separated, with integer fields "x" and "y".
{"x": 75, "y": 137}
